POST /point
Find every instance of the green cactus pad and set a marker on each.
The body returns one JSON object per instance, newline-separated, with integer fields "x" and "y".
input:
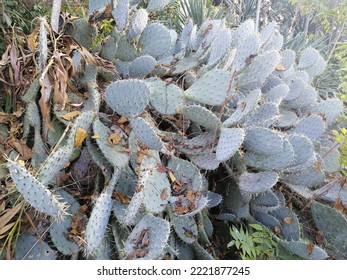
{"x": 125, "y": 51}
{"x": 219, "y": 47}
{"x": 201, "y": 116}
{"x": 286, "y": 119}
{"x": 306, "y": 99}
{"x": 308, "y": 178}
{"x": 166, "y": 99}
{"x": 243, "y": 31}
{"x": 266, "y": 199}
{"x": 120, "y": 14}
{"x": 330, "y": 108}
{"x": 308, "y": 58}
{"x": 155, "y": 5}
{"x": 265, "y": 115}
{"x": 211, "y": 88}
{"x": 29, "y": 247}
{"x": 260, "y": 68}
{"x": 332, "y": 223}
{"x": 275, "y": 43}
{"x": 303, "y": 148}
{"x": 198, "y": 145}
{"x": 331, "y": 159}
{"x": 253, "y": 183}
{"x": 267, "y": 32}
{"x": 230, "y": 140}
{"x": 290, "y": 228}
{"x": 248, "y": 47}
{"x": 53, "y": 165}
{"x": 267, "y": 220}
{"x": 288, "y": 58}
{"x": 270, "y": 82}
{"x": 155, "y": 233}
{"x": 142, "y": 66}
{"x": 138, "y": 23}
{"x": 244, "y": 107}
{"x": 316, "y": 69}
{"x": 155, "y": 40}
{"x": 84, "y": 32}
{"x": 312, "y": 126}
{"x": 186, "y": 172}
{"x": 34, "y": 192}
{"x": 156, "y": 186}
{"x": 277, "y": 93}
{"x": 271, "y": 162}
{"x": 300, "y": 249}
{"x": 296, "y": 89}
{"x": 30, "y": 94}
{"x": 59, "y": 231}
{"x": 128, "y": 97}
{"x": 263, "y": 141}
{"x": 185, "y": 228}
{"x": 113, "y": 153}
{"x": 207, "y": 162}
{"x": 146, "y": 133}
{"x": 236, "y": 203}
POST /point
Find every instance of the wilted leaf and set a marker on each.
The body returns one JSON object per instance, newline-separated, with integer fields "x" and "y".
{"x": 288, "y": 220}
{"x": 95, "y": 136}
{"x": 310, "y": 248}
{"x": 25, "y": 152}
{"x": 32, "y": 38}
{"x": 164, "y": 194}
{"x": 45, "y": 104}
{"x": 172, "y": 177}
{"x": 124, "y": 199}
{"x": 190, "y": 195}
{"x": 9, "y": 214}
{"x": 114, "y": 139}
{"x": 280, "y": 67}
{"x": 122, "y": 120}
{"x": 71, "y": 115}
{"x": 81, "y": 134}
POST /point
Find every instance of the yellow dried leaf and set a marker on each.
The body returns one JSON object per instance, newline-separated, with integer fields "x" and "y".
{"x": 122, "y": 120}
{"x": 172, "y": 177}
{"x": 96, "y": 136}
{"x": 190, "y": 195}
{"x": 81, "y": 134}
{"x": 32, "y": 38}
{"x": 280, "y": 67}
{"x": 164, "y": 194}
{"x": 7, "y": 227}
{"x": 114, "y": 139}
{"x": 71, "y": 115}
{"x": 5, "y": 218}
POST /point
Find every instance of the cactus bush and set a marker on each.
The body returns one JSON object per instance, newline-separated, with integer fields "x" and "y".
{"x": 158, "y": 109}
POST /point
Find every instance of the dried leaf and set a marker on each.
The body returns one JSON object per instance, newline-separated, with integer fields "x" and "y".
{"x": 124, "y": 199}
{"x": 288, "y": 220}
{"x": 190, "y": 195}
{"x": 25, "y": 152}
{"x": 161, "y": 168}
{"x": 95, "y": 136}
{"x": 277, "y": 230}
{"x": 122, "y": 120}
{"x": 114, "y": 139}
{"x": 164, "y": 194}
{"x": 172, "y": 177}
{"x": 71, "y": 115}
{"x": 81, "y": 134}
{"x": 9, "y": 214}
{"x": 45, "y": 104}
{"x": 280, "y": 67}
{"x": 137, "y": 253}
{"x": 188, "y": 233}
{"x": 32, "y": 38}
{"x": 310, "y": 248}
{"x": 180, "y": 210}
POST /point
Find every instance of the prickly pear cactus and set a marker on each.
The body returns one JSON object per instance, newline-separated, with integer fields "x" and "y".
{"x": 156, "y": 110}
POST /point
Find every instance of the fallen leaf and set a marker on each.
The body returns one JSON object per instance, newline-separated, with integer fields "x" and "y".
{"x": 137, "y": 253}
{"x": 7, "y": 227}
{"x": 95, "y": 136}
{"x": 280, "y": 67}
{"x": 114, "y": 139}
{"x": 81, "y": 134}
{"x": 164, "y": 194}
{"x": 277, "y": 230}
{"x": 190, "y": 195}
{"x": 9, "y": 214}
{"x": 188, "y": 233}
{"x": 32, "y": 38}
{"x": 161, "y": 168}
{"x": 124, "y": 199}
{"x": 172, "y": 177}
{"x": 122, "y": 120}
{"x": 288, "y": 220}
{"x": 71, "y": 115}
{"x": 309, "y": 248}
{"x": 25, "y": 152}
{"x": 125, "y": 150}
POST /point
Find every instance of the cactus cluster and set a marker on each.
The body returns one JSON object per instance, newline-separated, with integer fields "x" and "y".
{"x": 212, "y": 97}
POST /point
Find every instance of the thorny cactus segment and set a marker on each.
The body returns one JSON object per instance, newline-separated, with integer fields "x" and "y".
{"x": 154, "y": 111}
{"x": 35, "y": 193}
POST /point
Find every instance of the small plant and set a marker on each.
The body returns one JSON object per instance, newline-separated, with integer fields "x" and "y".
{"x": 105, "y": 29}
{"x": 341, "y": 139}
{"x": 254, "y": 245}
